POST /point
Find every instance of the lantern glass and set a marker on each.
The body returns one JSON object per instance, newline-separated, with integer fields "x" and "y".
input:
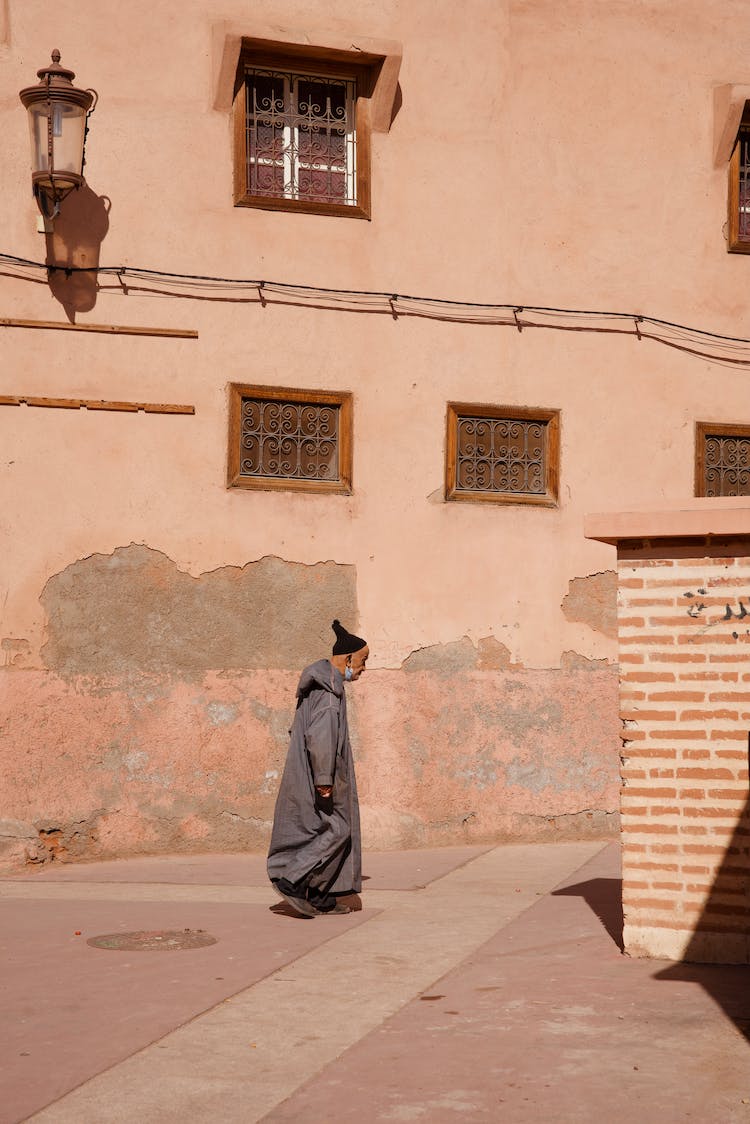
{"x": 68, "y": 127}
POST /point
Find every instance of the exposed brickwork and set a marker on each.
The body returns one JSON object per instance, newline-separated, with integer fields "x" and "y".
{"x": 684, "y": 633}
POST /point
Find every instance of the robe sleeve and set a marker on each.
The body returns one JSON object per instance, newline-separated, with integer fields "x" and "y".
{"x": 321, "y": 736}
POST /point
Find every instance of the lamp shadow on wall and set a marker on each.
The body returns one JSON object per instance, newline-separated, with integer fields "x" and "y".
{"x": 75, "y": 244}
{"x": 727, "y": 914}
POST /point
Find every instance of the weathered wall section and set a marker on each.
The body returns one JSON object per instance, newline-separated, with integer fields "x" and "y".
{"x": 134, "y": 612}
{"x": 159, "y": 720}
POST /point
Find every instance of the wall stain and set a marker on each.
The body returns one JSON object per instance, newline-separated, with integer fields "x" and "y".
{"x": 277, "y": 722}
{"x": 479, "y": 770}
{"x": 593, "y": 601}
{"x": 134, "y": 612}
{"x": 528, "y": 775}
{"x": 221, "y": 714}
{"x": 134, "y": 764}
{"x": 17, "y": 650}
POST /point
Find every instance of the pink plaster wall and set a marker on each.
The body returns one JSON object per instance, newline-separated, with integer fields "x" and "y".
{"x": 105, "y": 769}
{"x": 541, "y": 154}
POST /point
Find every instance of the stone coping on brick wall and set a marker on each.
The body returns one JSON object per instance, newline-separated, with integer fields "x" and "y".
{"x": 728, "y": 517}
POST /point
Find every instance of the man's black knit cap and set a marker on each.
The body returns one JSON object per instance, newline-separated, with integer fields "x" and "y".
{"x": 346, "y": 643}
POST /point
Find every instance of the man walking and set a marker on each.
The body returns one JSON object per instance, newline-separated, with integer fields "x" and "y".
{"x": 315, "y": 853}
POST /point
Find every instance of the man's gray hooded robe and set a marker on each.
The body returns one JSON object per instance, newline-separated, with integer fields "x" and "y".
{"x": 316, "y": 839}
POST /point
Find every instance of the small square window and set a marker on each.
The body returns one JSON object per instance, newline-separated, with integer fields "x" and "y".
{"x": 738, "y": 226}
{"x": 302, "y": 136}
{"x": 502, "y": 454}
{"x": 722, "y": 459}
{"x": 298, "y": 440}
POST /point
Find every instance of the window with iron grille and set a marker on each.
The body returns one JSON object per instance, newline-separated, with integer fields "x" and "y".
{"x": 291, "y": 439}
{"x": 502, "y": 454}
{"x": 738, "y": 225}
{"x": 722, "y": 459}
{"x": 301, "y": 137}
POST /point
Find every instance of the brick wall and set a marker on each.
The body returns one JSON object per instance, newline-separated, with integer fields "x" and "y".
{"x": 684, "y": 628}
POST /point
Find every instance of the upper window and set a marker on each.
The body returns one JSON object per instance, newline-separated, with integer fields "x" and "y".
{"x": 739, "y": 190}
{"x": 292, "y": 439}
{"x": 302, "y": 136}
{"x": 502, "y": 454}
{"x": 722, "y": 459}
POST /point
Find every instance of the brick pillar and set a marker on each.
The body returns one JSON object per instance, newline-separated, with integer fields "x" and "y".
{"x": 684, "y": 633}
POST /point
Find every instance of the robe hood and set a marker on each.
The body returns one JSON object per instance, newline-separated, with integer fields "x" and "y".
{"x": 323, "y": 674}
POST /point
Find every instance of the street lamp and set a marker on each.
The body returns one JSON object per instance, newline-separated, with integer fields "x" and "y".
{"x": 58, "y": 114}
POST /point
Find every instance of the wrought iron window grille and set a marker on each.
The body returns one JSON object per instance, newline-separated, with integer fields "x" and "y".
{"x": 722, "y": 460}
{"x": 300, "y": 137}
{"x": 282, "y": 438}
{"x": 502, "y": 454}
{"x": 739, "y": 191}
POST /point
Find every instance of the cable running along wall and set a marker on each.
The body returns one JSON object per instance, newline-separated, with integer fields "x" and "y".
{"x": 733, "y": 351}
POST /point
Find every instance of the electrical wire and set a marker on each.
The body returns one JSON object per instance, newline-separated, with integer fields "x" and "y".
{"x": 698, "y": 342}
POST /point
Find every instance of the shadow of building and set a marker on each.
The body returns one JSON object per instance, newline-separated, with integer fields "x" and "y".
{"x": 603, "y": 896}
{"x": 717, "y": 955}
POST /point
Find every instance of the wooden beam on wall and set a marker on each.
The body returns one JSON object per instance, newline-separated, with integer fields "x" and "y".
{"x": 107, "y": 329}
{"x": 95, "y": 404}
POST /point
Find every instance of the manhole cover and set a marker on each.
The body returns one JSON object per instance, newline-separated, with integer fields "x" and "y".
{"x": 155, "y": 940}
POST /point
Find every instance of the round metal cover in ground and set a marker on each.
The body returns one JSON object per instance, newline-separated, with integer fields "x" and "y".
{"x": 153, "y": 940}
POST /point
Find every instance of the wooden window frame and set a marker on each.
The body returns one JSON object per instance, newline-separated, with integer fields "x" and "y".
{"x": 318, "y": 62}
{"x": 343, "y": 399}
{"x": 549, "y": 498}
{"x": 702, "y": 431}
{"x": 735, "y": 244}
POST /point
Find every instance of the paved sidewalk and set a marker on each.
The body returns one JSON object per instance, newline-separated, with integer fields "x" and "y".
{"x": 475, "y": 984}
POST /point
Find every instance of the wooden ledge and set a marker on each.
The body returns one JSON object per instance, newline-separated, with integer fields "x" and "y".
{"x": 95, "y": 404}
{"x": 691, "y": 519}
{"x": 729, "y": 104}
{"x": 228, "y": 40}
{"x": 108, "y": 329}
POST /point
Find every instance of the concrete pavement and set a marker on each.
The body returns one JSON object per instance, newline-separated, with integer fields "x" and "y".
{"x": 474, "y": 984}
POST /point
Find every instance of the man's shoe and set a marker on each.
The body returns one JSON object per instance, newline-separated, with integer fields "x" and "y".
{"x": 327, "y": 903}
{"x": 293, "y": 894}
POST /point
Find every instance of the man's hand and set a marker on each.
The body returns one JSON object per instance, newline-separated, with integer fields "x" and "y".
{"x": 324, "y": 790}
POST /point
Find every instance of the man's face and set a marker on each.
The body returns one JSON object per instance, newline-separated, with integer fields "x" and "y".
{"x": 359, "y": 659}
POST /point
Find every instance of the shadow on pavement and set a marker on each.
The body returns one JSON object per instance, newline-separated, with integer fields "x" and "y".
{"x": 728, "y": 985}
{"x": 717, "y": 954}
{"x": 604, "y": 897}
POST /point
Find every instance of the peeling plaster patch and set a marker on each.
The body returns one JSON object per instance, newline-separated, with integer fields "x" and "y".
{"x": 574, "y": 661}
{"x": 461, "y": 655}
{"x": 134, "y": 612}
{"x": 66, "y": 842}
{"x": 593, "y": 601}
{"x": 446, "y": 659}
{"x": 221, "y": 714}
{"x": 494, "y": 656}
